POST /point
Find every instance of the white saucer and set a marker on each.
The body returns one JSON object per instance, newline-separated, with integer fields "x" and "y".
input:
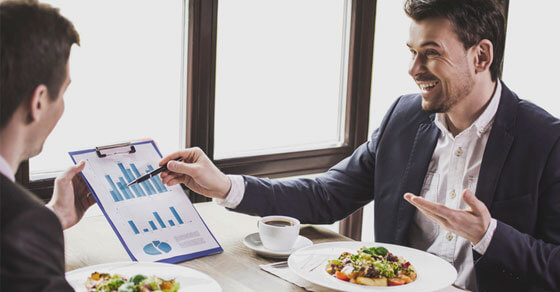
{"x": 253, "y": 241}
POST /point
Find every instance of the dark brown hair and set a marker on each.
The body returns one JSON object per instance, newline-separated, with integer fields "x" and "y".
{"x": 472, "y": 20}
{"x": 35, "y": 42}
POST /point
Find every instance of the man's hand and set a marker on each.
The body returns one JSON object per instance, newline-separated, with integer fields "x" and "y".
{"x": 197, "y": 172}
{"x": 71, "y": 197}
{"x": 471, "y": 224}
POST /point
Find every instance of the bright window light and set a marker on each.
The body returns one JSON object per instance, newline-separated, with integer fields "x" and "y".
{"x": 280, "y": 76}
{"x": 127, "y": 79}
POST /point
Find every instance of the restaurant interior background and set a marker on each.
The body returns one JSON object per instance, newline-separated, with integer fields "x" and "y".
{"x": 276, "y": 88}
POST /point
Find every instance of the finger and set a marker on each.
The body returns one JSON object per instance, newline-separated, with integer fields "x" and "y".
{"x": 169, "y": 157}
{"x": 432, "y": 207}
{"x": 438, "y": 219}
{"x": 476, "y": 205}
{"x": 182, "y": 168}
{"x": 171, "y": 177}
{"x": 174, "y": 182}
{"x": 72, "y": 171}
{"x": 78, "y": 167}
{"x": 435, "y": 209}
{"x": 165, "y": 173}
{"x": 409, "y": 196}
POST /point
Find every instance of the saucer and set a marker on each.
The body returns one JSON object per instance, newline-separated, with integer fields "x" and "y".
{"x": 253, "y": 241}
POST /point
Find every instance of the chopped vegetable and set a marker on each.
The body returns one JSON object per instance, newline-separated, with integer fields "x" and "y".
{"x": 373, "y": 266}
{"x": 139, "y": 283}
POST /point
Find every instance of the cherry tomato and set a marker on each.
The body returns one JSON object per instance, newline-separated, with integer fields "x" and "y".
{"x": 395, "y": 282}
{"x": 342, "y": 276}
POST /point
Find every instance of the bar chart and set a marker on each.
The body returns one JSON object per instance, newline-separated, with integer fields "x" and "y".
{"x": 156, "y": 218}
{"x": 120, "y": 191}
{"x": 154, "y": 222}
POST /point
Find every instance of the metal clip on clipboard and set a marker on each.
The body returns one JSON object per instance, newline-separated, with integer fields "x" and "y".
{"x": 104, "y": 151}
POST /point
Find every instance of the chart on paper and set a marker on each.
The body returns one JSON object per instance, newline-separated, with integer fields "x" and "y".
{"x": 120, "y": 191}
{"x": 154, "y": 221}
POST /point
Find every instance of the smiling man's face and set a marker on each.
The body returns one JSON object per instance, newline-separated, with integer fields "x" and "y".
{"x": 440, "y": 65}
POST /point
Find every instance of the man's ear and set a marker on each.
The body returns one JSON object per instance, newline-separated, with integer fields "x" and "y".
{"x": 37, "y": 102}
{"x": 484, "y": 55}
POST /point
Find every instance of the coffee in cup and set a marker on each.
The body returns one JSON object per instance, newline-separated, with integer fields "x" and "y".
{"x": 278, "y": 233}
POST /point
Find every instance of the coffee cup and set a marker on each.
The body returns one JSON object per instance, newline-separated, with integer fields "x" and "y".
{"x": 278, "y": 233}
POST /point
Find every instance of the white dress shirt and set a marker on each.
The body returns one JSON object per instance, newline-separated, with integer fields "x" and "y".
{"x": 6, "y": 169}
{"x": 454, "y": 167}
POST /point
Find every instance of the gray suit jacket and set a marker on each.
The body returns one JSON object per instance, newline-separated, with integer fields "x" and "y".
{"x": 32, "y": 256}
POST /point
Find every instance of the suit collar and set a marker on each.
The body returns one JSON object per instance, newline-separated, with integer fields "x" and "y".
{"x": 498, "y": 146}
{"x": 415, "y": 171}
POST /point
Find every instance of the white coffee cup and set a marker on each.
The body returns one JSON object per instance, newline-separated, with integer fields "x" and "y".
{"x": 278, "y": 233}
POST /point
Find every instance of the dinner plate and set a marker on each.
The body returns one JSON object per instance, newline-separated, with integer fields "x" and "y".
{"x": 310, "y": 262}
{"x": 189, "y": 279}
{"x": 253, "y": 241}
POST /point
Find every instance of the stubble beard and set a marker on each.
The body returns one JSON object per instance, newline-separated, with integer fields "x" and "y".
{"x": 443, "y": 103}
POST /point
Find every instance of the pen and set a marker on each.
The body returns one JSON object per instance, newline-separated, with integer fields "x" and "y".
{"x": 151, "y": 173}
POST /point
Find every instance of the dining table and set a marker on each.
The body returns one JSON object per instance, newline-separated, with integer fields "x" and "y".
{"x": 237, "y": 269}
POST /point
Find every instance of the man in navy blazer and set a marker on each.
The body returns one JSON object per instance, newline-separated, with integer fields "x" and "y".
{"x": 465, "y": 131}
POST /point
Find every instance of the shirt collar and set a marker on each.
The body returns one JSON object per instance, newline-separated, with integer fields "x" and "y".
{"x": 6, "y": 169}
{"x": 484, "y": 121}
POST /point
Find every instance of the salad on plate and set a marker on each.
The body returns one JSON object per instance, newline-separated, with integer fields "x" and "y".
{"x": 373, "y": 266}
{"x": 104, "y": 282}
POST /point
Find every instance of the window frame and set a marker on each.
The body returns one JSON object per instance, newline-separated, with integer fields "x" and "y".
{"x": 201, "y": 97}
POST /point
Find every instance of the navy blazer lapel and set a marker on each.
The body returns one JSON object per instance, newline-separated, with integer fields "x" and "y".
{"x": 497, "y": 147}
{"x": 416, "y": 168}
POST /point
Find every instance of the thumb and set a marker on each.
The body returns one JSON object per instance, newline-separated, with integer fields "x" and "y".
{"x": 181, "y": 167}
{"x": 476, "y": 205}
{"x": 73, "y": 170}
{"x": 78, "y": 168}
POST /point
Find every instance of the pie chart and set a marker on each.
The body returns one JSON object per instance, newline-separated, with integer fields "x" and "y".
{"x": 157, "y": 247}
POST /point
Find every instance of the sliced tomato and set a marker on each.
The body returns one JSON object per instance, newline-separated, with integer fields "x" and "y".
{"x": 395, "y": 282}
{"x": 342, "y": 276}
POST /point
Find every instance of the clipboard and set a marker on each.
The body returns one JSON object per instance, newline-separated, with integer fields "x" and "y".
{"x": 154, "y": 222}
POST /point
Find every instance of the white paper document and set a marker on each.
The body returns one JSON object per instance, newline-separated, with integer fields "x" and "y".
{"x": 154, "y": 222}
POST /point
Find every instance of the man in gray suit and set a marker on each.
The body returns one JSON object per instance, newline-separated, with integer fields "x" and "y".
{"x": 35, "y": 42}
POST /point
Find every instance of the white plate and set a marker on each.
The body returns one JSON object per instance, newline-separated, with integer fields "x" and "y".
{"x": 253, "y": 241}
{"x": 309, "y": 263}
{"x": 189, "y": 279}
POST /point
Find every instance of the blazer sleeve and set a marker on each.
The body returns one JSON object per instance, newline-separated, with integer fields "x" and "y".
{"x": 523, "y": 257}
{"x": 33, "y": 253}
{"x": 344, "y": 188}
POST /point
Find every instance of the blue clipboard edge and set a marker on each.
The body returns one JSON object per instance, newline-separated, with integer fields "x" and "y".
{"x": 171, "y": 260}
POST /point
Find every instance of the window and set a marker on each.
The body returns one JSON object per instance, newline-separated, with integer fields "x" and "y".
{"x": 332, "y": 102}
{"x": 280, "y": 78}
{"x": 127, "y": 79}
{"x": 220, "y": 87}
